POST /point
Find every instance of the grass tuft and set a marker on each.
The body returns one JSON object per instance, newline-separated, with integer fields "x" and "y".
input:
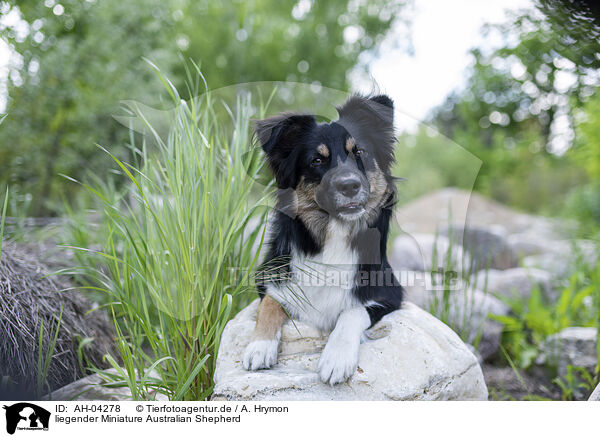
{"x": 3, "y": 219}
{"x": 175, "y": 264}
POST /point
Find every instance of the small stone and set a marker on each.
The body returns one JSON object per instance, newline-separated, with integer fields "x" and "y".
{"x": 575, "y": 346}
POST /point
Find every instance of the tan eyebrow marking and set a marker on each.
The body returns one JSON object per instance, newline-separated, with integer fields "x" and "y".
{"x": 323, "y": 150}
{"x": 350, "y": 144}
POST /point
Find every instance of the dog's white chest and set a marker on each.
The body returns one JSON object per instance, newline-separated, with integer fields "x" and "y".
{"x": 321, "y": 285}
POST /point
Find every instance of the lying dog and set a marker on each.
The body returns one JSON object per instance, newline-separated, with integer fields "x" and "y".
{"x": 326, "y": 263}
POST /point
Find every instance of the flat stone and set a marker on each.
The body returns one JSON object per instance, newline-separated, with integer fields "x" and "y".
{"x": 95, "y": 388}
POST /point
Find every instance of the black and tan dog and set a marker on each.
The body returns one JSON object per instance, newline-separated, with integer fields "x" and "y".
{"x": 326, "y": 263}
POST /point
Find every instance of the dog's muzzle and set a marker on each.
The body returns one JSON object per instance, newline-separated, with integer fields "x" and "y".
{"x": 343, "y": 191}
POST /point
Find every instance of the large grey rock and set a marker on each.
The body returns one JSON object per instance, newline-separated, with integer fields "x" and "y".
{"x": 515, "y": 283}
{"x": 595, "y": 396}
{"x": 408, "y": 355}
{"x": 425, "y": 252}
{"x": 487, "y": 246}
{"x": 433, "y": 211}
{"x": 575, "y": 346}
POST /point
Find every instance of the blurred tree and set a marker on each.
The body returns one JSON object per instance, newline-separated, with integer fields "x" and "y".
{"x": 74, "y": 61}
{"x": 270, "y": 40}
{"x": 516, "y": 110}
{"x": 524, "y": 86}
{"x": 77, "y": 59}
{"x": 587, "y": 145}
{"x": 583, "y": 202}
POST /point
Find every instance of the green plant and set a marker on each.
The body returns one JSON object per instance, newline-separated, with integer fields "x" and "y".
{"x": 2, "y": 219}
{"x": 175, "y": 243}
{"x": 6, "y": 384}
{"x": 577, "y": 384}
{"x": 455, "y": 284}
{"x": 534, "y": 319}
{"x": 45, "y": 358}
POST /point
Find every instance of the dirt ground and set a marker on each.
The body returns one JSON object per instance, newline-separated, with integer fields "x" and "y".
{"x": 504, "y": 384}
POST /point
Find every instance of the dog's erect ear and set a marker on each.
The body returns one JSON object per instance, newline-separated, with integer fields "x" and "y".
{"x": 279, "y": 137}
{"x": 370, "y": 120}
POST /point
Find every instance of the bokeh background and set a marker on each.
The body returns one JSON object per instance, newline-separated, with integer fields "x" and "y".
{"x": 513, "y": 82}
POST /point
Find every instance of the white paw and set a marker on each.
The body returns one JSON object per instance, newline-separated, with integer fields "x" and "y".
{"x": 260, "y": 354}
{"x": 339, "y": 360}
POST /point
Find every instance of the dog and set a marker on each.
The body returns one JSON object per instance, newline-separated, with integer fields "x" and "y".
{"x": 326, "y": 262}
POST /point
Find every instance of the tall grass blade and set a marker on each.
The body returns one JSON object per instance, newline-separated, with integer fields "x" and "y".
{"x": 3, "y": 219}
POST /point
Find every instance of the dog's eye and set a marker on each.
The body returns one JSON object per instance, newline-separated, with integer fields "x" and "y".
{"x": 360, "y": 152}
{"x": 317, "y": 161}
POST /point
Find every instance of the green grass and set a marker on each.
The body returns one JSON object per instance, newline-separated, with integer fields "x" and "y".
{"x": 3, "y": 219}
{"x": 45, "y": 358}
{"x": 446, "y": 304}
{"x": 578, "y": 383}
{"x": 175, "y": 243}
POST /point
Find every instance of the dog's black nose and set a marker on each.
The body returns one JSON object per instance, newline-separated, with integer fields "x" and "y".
{"x": 348, "y": 185}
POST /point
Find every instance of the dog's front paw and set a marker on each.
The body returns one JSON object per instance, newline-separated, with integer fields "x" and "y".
{"x": 338, "y": 361}
{"x": 260, "y": 354}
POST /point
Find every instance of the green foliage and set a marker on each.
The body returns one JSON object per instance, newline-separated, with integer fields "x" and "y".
{"x": 519, "y": 89}
{"x": 176, "y": 261}
{"x": 587, "y": 148}
{"x": 74, "y": 69}
{"x": 74, "y": 61}
{"x": 3, "y": 219}
{"x": 577, "y": 384}
{"x": 270, "y": 40}
{"x": 575, "y": 22}
{"x": 45, "y": 358}
{"x": 583, "y": 204}
{"x": 429, "y": 162}
{"x": 517, "y": 109}
{"x": 532, "y": 321}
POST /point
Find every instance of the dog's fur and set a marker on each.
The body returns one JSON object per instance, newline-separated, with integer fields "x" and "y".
{"x": 326, "y": 263}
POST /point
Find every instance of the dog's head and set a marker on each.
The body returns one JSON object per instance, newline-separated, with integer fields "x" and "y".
{"x": 342, "y": 168}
